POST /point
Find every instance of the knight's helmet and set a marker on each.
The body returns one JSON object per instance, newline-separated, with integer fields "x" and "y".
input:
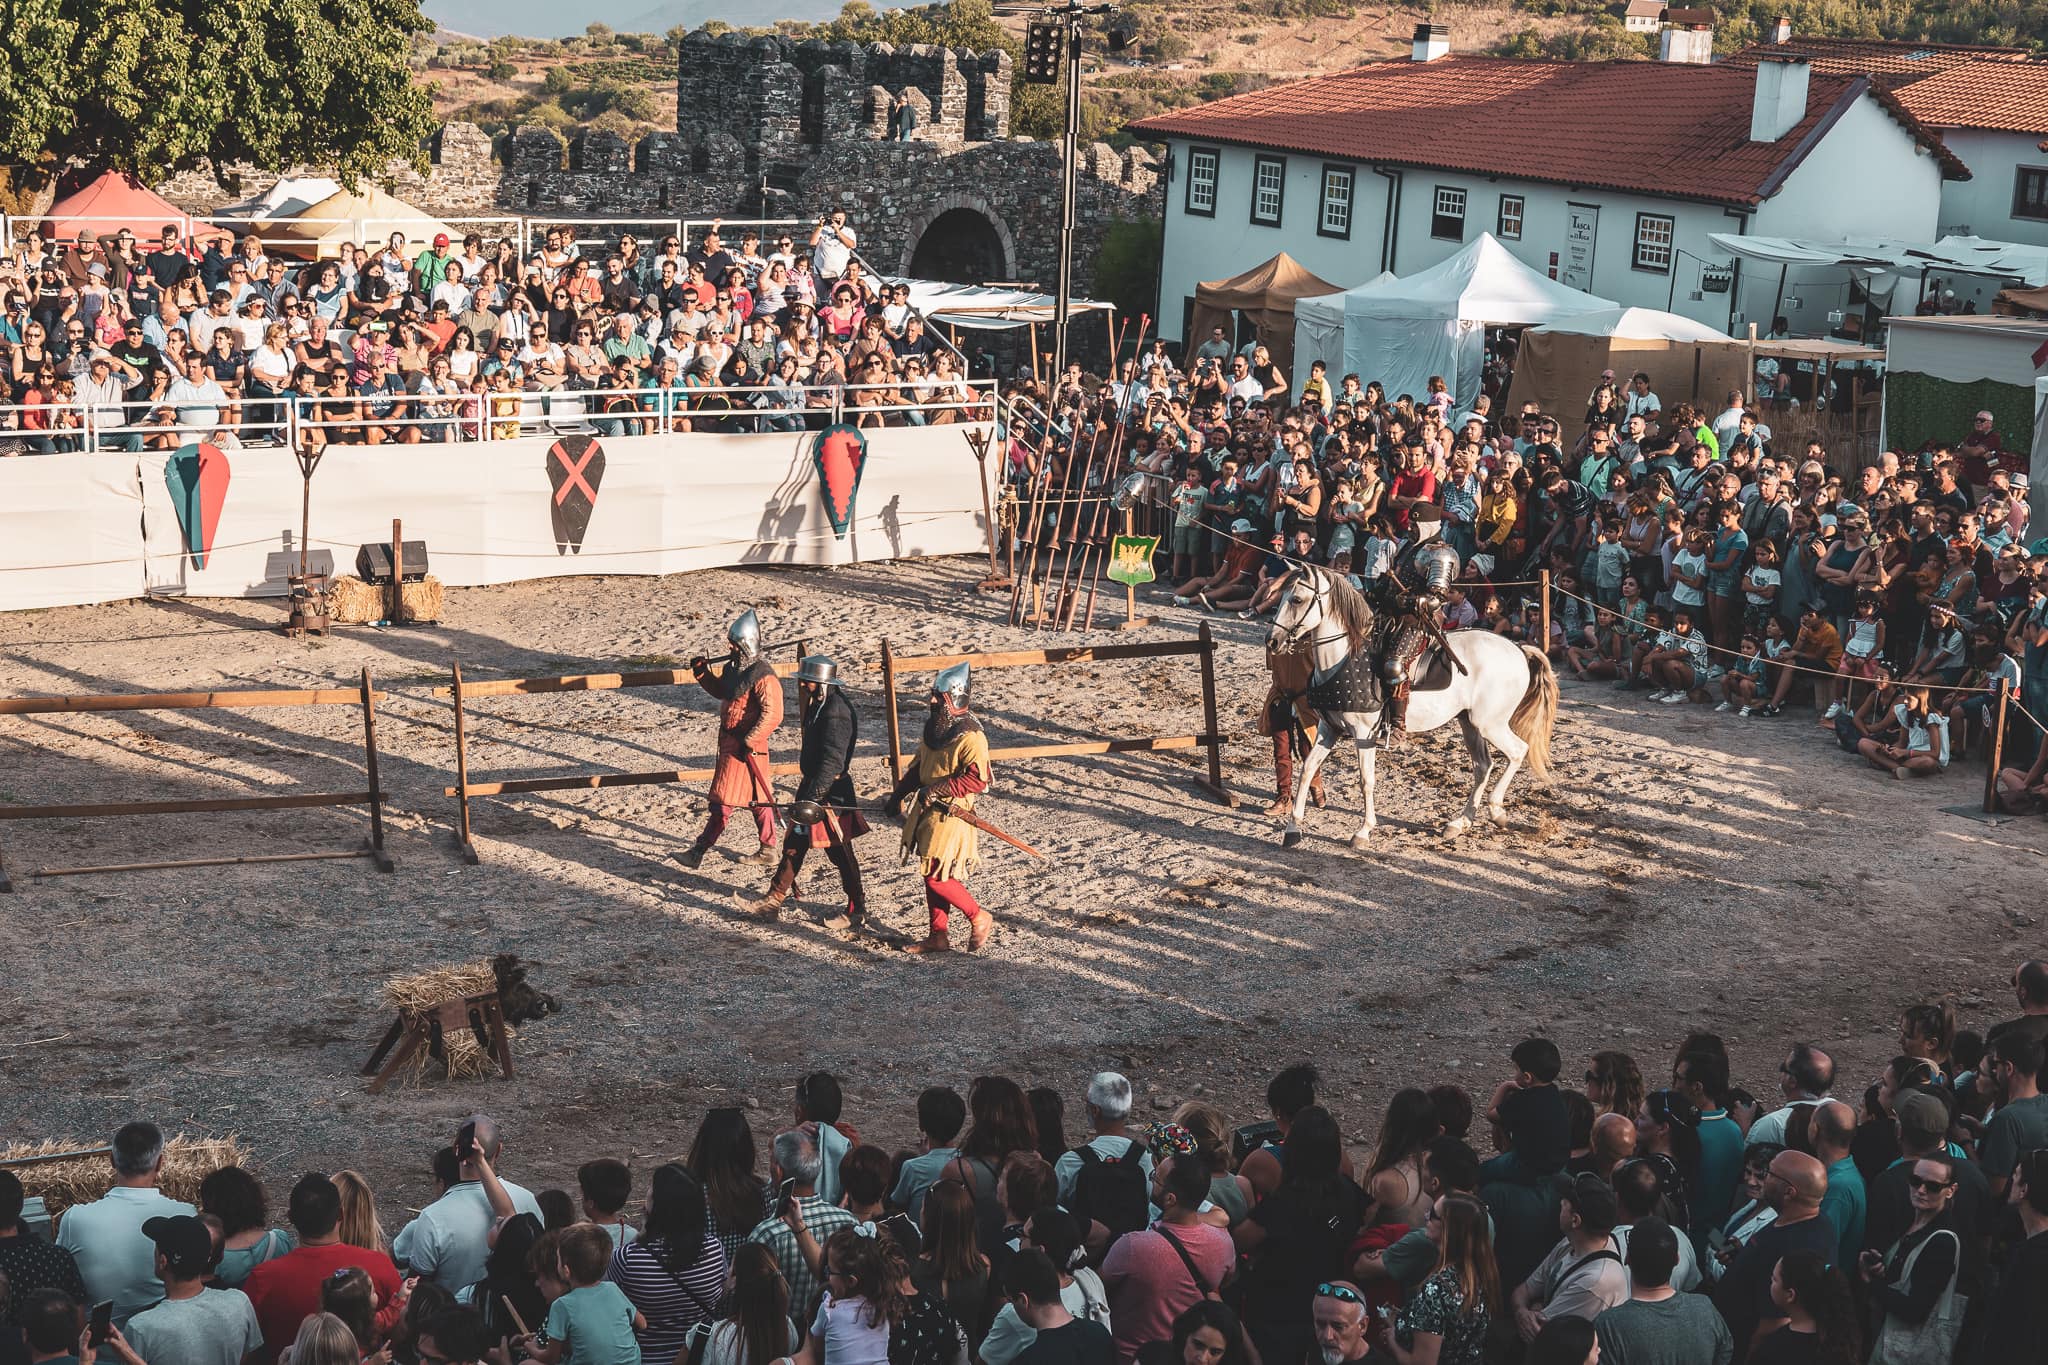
{"x": 818, "y": 670}
{"x": 953, "y": 685}
{"x": 745, "y": 637}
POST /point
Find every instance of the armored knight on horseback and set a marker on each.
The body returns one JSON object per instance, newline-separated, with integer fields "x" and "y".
{"x": 1411, "y": 594}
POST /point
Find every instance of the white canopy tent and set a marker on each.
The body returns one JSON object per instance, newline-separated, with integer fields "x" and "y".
{"x": 1634, "y": 324}
{"x": 1402, "y": 331}
{"x": 288, "y": 198}
{"x": 1875, "y": 257}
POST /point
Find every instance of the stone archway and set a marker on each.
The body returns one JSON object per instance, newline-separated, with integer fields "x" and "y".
{"x": 959, "y": 238}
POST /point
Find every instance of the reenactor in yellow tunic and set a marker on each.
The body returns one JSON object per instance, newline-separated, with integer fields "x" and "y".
{"x": 950, "y": 769}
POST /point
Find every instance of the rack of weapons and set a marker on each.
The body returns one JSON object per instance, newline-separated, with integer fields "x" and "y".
{"x": 1075, "y": 500}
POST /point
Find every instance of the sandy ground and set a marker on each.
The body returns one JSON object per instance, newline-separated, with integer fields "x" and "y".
{"x": 1686, "y": 870}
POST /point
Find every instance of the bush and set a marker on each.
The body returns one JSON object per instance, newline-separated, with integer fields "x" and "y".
{"x": 502, "y": 71}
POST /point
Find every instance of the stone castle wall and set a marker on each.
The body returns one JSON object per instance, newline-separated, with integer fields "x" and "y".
{"x": 767, "y": 127}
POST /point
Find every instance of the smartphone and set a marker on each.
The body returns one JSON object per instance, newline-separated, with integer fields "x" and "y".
{"x": 785, "y": 1198}
{"x": 102, "y": 1322}
{"x": 465, "y": 1140}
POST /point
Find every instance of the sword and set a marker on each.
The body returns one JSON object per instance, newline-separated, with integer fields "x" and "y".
{"x": 1436, "y": 633}
{"x": 970, "y": 818}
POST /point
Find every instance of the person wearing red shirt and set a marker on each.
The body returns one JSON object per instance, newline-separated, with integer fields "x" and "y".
{"x": 286, "y": 1290}
{"x": 1413, "y": 485}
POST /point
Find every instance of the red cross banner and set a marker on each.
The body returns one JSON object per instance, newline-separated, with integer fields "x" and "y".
{"x": 575, "y": 472}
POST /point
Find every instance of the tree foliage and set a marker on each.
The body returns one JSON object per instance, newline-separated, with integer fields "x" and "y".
{"x": 155, "y": 86}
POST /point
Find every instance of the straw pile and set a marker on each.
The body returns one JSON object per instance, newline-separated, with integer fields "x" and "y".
{"x": 352, "y": 602}
{"x": 463, "y": 1056}
{"x": 80, "y": 1180}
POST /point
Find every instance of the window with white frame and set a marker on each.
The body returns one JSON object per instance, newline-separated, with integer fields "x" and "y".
{"x": 1653, "y": 242}
{"x": 1269, "y": 186}
{"x": 1335, "y": 217}
{"x": 1203, "y": 163}
{"x": 1507, "y": 224}
{"x": 1448, "y": 219}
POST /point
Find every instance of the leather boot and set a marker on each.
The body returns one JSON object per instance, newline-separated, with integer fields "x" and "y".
{"x": 770, "y": 903}
{"x": 693, "y": 856}
{"x": 930, "y": 943}
{"x": 1283, "y": 772}
{"x": 984, "y": 924}
{"x": 1397, "y": 715}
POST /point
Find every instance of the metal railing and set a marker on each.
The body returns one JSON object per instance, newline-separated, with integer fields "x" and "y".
{"x": 490, "y": 415}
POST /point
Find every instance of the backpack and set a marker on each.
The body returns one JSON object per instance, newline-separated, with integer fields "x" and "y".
{"x": 1112, "y": 1191}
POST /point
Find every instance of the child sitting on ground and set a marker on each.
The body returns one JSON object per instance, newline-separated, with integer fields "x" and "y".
{"x": 594, "y": 1323}
{"x": 1681, "y": 665}
{"x": 1744, "y": 680}
{"x": 1653, "y": 638}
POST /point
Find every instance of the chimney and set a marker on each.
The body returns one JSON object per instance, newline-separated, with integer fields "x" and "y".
{"x": 1781, "y": 31}
{"x": 1780, "y": 101}
{"x": 1431, "y": 42}
{"x": 1687, "y": 37}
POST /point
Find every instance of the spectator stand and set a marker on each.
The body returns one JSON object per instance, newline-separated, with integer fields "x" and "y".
{"x": 364, "y": 695}
{"x": 1202, "y": 647}
{"x": 460, "y": 692}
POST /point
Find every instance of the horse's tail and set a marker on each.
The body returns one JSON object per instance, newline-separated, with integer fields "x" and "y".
{"x": 1537, "y": 713}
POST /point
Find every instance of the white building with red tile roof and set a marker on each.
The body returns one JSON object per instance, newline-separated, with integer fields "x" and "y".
{"x": 1609, "y": 176}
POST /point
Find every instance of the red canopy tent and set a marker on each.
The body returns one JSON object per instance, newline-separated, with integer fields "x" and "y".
{"x": 110, "y": 203}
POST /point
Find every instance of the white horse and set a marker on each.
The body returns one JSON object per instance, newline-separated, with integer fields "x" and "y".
{"x": 1506, "y": 695}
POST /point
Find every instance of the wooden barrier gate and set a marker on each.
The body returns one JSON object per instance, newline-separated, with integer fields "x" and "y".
{"x": 364, "y": 695}
{"x": 1203, "y": 646}
{"x": 460, "y": 691}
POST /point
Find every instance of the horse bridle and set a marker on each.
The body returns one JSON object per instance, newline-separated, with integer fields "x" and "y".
{"x": 1292, "y": 642}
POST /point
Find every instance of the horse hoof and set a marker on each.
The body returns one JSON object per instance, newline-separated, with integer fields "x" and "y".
{"x": 1290, "y": 838}
{"x": 1362, "y": 840}
{"x": 1457, "y": 827}
{"x": 1498, "y": 814}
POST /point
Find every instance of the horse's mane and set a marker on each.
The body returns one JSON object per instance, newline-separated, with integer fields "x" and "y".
{"x": 1349, "y": 608}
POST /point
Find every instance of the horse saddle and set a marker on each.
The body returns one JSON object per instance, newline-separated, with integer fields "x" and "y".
{"x": 1355, "y": 686}
{"x": 1433, "y": 670}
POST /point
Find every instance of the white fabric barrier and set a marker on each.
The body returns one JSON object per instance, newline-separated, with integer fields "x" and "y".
{"x": 76, "y": 528}
{"x": 70, "y": 530}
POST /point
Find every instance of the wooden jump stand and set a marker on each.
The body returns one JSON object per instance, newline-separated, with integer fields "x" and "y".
{"x": 412, "y": 1030}
{"x": 460, "y": 691}
{"x": 1202, "y": 646}
{"x": 365, "y": 695}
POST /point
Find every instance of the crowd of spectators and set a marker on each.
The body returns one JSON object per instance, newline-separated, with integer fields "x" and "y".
{"x": 165, "y": 341}
{"x": 1616, "y": 1216}
{"x": 1689, "y": 553}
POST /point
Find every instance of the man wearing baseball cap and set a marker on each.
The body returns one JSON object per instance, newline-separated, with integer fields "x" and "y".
{"x": 430, "y": 267}
{"x": 193, "y": 1325}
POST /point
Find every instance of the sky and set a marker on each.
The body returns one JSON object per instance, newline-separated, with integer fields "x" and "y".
{"x": 552, "y": 19}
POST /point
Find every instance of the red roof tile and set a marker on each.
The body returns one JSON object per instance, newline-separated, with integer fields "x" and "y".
{"x": 1888, "y": 63}
{"x": 1678, "y": 131}
{"x": 2009, "y": 97}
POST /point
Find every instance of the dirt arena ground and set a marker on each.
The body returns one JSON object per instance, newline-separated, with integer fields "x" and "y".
{"x": 1686, "y": 869}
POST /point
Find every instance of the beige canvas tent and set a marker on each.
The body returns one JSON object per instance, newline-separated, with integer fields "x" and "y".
{"x": 1265, "y": 294}
{"x": 367, "y": 216}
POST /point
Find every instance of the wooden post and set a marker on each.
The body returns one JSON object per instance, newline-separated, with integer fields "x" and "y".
{"x": 463, "y": 839}
{"x": 397, "y": 570}
{"x": 377, "y": 853}
{"x": 1211, "y": 735}
{"x": 1543, "y": 592}
{"x": 1997, "y": 757}
{"x": 895, "y": 725}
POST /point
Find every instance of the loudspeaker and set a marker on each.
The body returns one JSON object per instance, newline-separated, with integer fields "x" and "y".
{"x": 373, "y": 562}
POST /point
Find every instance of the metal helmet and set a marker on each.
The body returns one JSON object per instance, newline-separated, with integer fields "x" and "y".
{"x": 1129, "y": 492}
{"x": 953, "y": 684}
{"x": 745, "y": 636}
{"x": 818, "y": 670}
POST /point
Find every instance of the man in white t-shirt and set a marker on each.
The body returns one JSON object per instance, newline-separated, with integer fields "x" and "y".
{"x": 1805, "y": 1078}
{"x": 1728, "y": 424}
{"x": 832, "y": 245}
{"x": 1109, "y": 1108}
{"x": 448, "y": 1242}
{"x": 1641, "y": 401}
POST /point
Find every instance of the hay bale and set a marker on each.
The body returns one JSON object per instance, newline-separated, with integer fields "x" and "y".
{"x": 464, "y": 1057}
{"x": 352, "y": 602}
{"x": 80, "y": 1180}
